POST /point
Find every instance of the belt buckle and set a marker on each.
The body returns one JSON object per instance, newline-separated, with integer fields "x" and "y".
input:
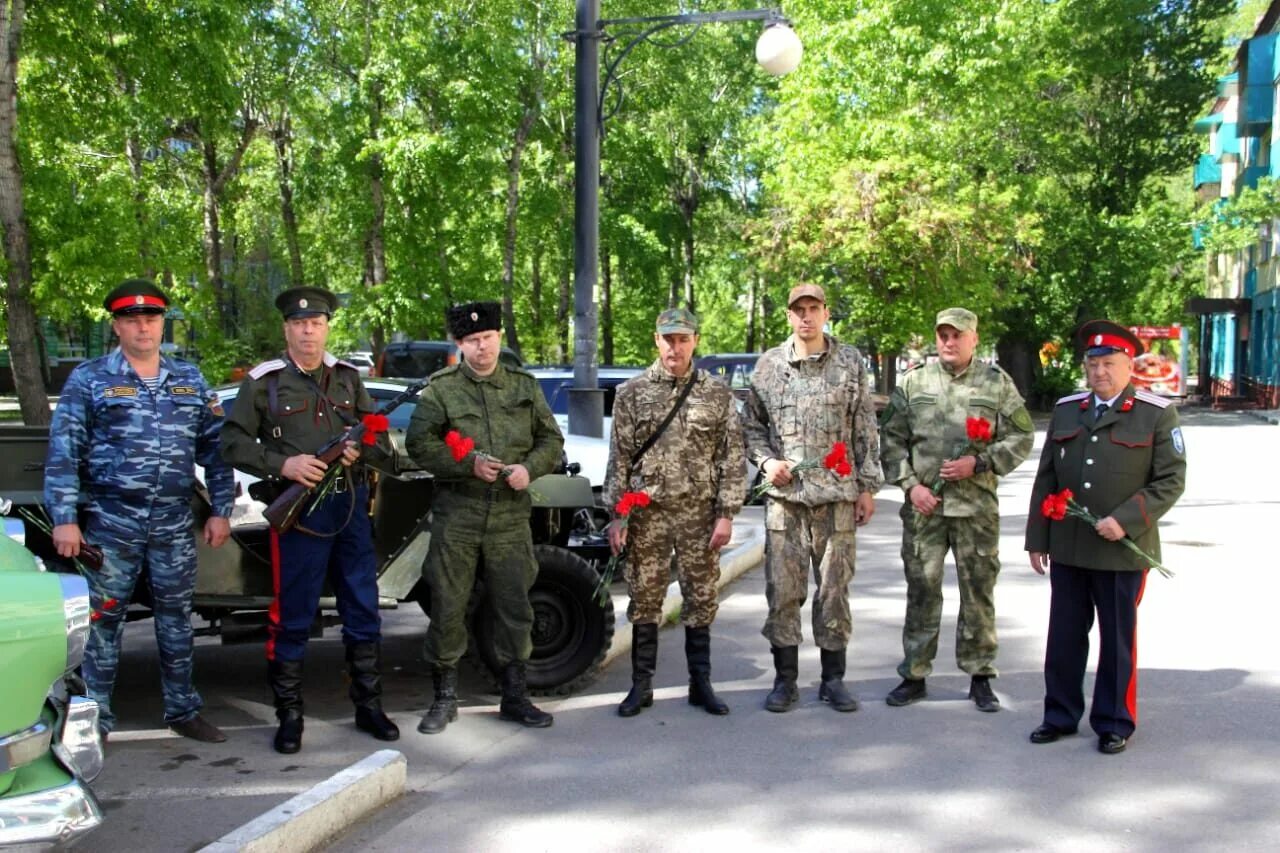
{"x": 340, "y": 484}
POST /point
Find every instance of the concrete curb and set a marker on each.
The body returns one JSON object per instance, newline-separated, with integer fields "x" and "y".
{"x": 319, "y": 814}
{"x": 733, "y": 564}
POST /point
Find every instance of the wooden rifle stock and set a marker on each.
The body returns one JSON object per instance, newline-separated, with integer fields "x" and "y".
{"x": 284, "y": 511}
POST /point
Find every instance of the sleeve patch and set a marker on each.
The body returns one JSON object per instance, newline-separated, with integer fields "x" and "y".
{"x": 1178, "y": 444}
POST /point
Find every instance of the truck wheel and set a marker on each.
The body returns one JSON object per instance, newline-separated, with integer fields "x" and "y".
{"x": 571, "y": 631}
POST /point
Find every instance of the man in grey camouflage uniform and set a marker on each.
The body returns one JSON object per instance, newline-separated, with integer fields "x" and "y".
{"x": 126, "y": 436}
{"x": 924, "y": 441}
{"x": 807, "y": 394}
{"x": 695, "y": 476}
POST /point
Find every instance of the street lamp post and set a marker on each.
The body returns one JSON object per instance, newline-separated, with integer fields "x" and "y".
{"x": 777, "y": 51}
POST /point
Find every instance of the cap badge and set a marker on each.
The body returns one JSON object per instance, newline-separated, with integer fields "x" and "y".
{"x": 474, "y": 316}
{"x": 302, "y": 303}
{"x": 1097, "y": 340}
{"x": 139, "y": 300}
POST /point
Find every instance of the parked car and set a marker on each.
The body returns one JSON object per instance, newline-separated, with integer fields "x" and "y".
{"x": 557, "y": 381}
{"x": 572, "y": 630}
{"x": 362, "y": 361}
{"x": 733, "y": 369}
{"x": 50, "y": 748}
{"x": 420, "y": 359}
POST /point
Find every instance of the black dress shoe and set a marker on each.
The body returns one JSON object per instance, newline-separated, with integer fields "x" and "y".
{"x": 1111, "y": 743}
{"x": 1046, "y": 733}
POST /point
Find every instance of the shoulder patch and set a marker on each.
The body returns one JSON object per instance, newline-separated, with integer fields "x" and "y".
{"x": 1071, "y": 398}
{"x": 215, "y": 405}
{"x": 1152, "y": 399}
{"x": 266, "y": 367}
{"x": 1179, "y": 445}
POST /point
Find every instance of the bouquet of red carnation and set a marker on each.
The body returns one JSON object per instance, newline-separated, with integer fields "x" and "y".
{"x": 978, "y": 431}
{"x": 836, "y": 461}
{"x": 628, "y": 503}
{"x": 459, "y": 445}
{"x": 1058, "y": 506}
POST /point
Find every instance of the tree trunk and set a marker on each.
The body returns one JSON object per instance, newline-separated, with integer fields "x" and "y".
{"x": 133, "y": 153}
{"x": 562, "y": 310}
{"x": 376, "y": 242}
{"x": 509, "y": 238}
{"x": 281, "y": 135}
{"x": 20, "y": 315}
{"x": 1017, "y": 357}
{"x": 606, "y": 306}
{"x": 535, "y": 296}
{"x": 212, "y": 232}
{"x": 753, "y": 299}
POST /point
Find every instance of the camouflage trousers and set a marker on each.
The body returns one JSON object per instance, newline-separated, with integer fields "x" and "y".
{"x": 470, "y": 536}
{"x": 160, "y": 539}
{"x": 975, "y": 543}
{"x": 798, "y": 538}
{"x": 652, "y": 536}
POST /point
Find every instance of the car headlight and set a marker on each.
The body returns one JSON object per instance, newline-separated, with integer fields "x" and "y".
{"x": 75, "y": 606}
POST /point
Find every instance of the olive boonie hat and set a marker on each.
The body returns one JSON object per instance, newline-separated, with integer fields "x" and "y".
{"x": 471, "y": 317}
{"x": 800, "y": 291}
{"x": 961, "y": 319}
{"x": 1102, "y": 337}
{"x": 136, "y": 296}
{"x": 677, "y": 321}
{"x": 299, "y": 302}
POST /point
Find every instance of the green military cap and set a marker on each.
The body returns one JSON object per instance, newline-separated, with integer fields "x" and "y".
{"x": 136, "y": 296}
{"x": 306, "y": 302}
{"x": 961, "y": 319}
{"x": 677, "y": 321}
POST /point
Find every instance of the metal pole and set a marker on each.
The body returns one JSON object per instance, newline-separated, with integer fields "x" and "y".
{"x": 586, "y": 399}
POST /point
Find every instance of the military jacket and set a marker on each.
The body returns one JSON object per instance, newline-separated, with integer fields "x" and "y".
{"x": 112, "y": 438}
{"x": 258, "y": 440}
{"x": 925, "y": 425}
{"x": 504, "y": 413}
{"x": 797, "y": 408}
{"x": 1131, "y": 464}
{"x": 697, "y": 458}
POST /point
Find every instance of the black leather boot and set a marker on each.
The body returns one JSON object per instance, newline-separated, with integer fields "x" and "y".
{"x": 444, "y": 710}
{"x": 644, "y": 657}
{"x": 515, "y": 699}
{"x": 697, "y": 650}
{"x": 285, "y": 678}
{"x": 364, "y": 667}
{"x": 786, "y": 661}
{"x": 832, "y": 689}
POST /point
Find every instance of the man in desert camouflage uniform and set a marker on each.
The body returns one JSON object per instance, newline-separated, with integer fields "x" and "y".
{"x": 924, "y": 442}
{"x": 695, "y": 475}
{"x": 129, "y": 429}
{"x": 807, "y": 394}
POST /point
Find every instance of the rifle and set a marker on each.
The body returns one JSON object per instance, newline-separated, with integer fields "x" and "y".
{"x": 283, "y": 512}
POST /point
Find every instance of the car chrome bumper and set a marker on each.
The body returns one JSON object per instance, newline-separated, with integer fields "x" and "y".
{"x": 79, "y": 747}
{"x": 24, "y": 747}
{"x": 55, "y": 814}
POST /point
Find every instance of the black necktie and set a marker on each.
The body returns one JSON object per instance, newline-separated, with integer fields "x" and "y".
{"x": 1097, "y": 413}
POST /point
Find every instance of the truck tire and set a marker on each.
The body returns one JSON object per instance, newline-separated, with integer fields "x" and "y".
{"x": 571, "y": 631}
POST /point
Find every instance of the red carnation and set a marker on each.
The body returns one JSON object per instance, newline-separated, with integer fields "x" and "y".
{"x": 374, "y": 424}
{"x": 978, "y": 429}
{"x": 459, "y": 445}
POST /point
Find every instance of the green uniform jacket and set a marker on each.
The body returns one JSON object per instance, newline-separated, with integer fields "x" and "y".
{"x": 306, "y": 420}
{"x": 925, "y": 425}
{"x": 504, "y": 413}
{"x": 1131, "y": 464}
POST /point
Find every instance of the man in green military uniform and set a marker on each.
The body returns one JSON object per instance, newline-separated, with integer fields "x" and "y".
{"x": 951, "y": 429}
{"x": 287, "y": 409}
{"x": 1121, "y": 453}
{"x": 676, "y": 437}
{"x": 480, "y": 516}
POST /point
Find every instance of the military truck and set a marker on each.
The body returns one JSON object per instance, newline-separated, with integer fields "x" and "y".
{"x": 572, "y": 629}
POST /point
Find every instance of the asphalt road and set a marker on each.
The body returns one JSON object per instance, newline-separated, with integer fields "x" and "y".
{"x": 1200, "y": 774}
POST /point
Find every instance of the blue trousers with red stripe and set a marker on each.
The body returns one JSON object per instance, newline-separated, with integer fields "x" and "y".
{"x": 303, "y": 558}
{"x": 1077, "y": 594}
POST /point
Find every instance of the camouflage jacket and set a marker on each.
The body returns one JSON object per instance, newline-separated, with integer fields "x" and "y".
{"x": 113, "y": 439}
{"x": 698, "y": 457}
{"x": 797, "y": 408}
{"x": 1129, "y": 464}
{"x": 504, "y": 413}
{"x": 257, "y": 440}
{"x": 924, "y": 425}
